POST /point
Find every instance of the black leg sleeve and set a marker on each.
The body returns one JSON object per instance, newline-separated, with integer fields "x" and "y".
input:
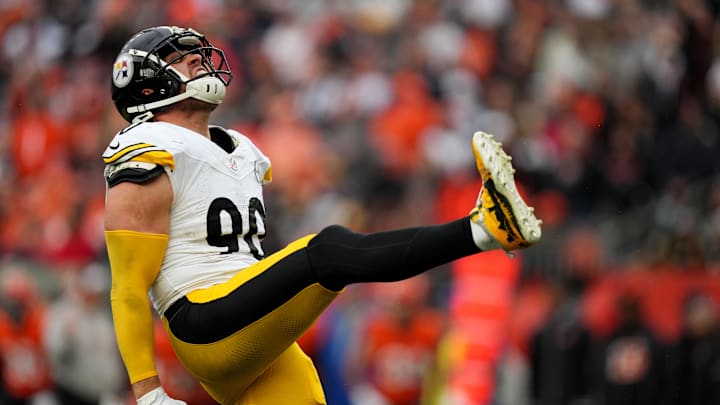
{"x": 340, "y": 257}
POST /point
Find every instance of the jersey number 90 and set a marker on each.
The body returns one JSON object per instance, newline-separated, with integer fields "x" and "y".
{"x": 215, "y": 235}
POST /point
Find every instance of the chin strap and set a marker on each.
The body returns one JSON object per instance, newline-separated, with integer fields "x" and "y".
{"x": 209, "y": 89}
{"x": 143, "y": 117}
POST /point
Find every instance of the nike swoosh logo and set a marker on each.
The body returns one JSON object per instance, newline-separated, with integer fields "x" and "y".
{"x": 117, "y": 145}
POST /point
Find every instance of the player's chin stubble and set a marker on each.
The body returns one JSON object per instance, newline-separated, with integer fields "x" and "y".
{"x": 191, "y": 105}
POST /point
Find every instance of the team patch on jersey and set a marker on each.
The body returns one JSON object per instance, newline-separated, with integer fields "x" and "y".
{"x": 123, "y": 70}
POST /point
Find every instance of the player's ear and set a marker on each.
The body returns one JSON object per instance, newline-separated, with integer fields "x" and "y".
{"x": 147, "y": 92}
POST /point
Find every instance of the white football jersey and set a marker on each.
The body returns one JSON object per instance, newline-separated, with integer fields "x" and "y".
{"x": 217, "y": 215}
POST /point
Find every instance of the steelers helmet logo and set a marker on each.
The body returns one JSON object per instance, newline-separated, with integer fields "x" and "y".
{"x": 123, "y": 70}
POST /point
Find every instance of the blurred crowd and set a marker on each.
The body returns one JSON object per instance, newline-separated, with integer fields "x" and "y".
{"x": 610, "y": 109}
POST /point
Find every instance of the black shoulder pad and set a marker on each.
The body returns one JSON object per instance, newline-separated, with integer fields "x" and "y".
{"x": 133, "y": 172}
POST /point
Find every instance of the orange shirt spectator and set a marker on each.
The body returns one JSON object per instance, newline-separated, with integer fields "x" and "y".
{"x": 400, "y": 343}
{"x": 35, "y": 139}
{"x": 24, "y": 368}
{"x": 396, "y": 132}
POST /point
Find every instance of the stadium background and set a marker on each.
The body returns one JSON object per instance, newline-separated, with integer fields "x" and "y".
{"x": 609, "y": 108}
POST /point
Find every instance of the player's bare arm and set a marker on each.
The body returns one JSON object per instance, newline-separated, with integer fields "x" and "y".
{"x": 142, "y": 208}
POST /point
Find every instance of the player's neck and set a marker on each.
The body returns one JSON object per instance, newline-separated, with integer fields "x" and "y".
{"x": 197, "y": 121}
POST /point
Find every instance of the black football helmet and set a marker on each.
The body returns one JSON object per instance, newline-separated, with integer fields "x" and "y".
{"x": 143, "y": 81}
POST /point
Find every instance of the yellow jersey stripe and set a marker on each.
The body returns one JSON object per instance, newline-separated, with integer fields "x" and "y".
{"x": 143, "y": 152}
{"x": 124, "y": 151}
{"x": 159, "y": 157}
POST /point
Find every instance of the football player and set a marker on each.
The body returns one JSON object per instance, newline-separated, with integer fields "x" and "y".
{"x": 185, "y": 218}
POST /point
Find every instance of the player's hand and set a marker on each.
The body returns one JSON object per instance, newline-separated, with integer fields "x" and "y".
{"x": 158, "y": 397}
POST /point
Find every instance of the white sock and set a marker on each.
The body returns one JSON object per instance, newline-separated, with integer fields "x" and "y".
{"x": 482, "y": 238}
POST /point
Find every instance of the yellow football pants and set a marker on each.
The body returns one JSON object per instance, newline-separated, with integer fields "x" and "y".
{"x": 259, "y": 364}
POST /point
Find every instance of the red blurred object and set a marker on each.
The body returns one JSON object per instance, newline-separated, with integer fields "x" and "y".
{"x": 175, "y": 379}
